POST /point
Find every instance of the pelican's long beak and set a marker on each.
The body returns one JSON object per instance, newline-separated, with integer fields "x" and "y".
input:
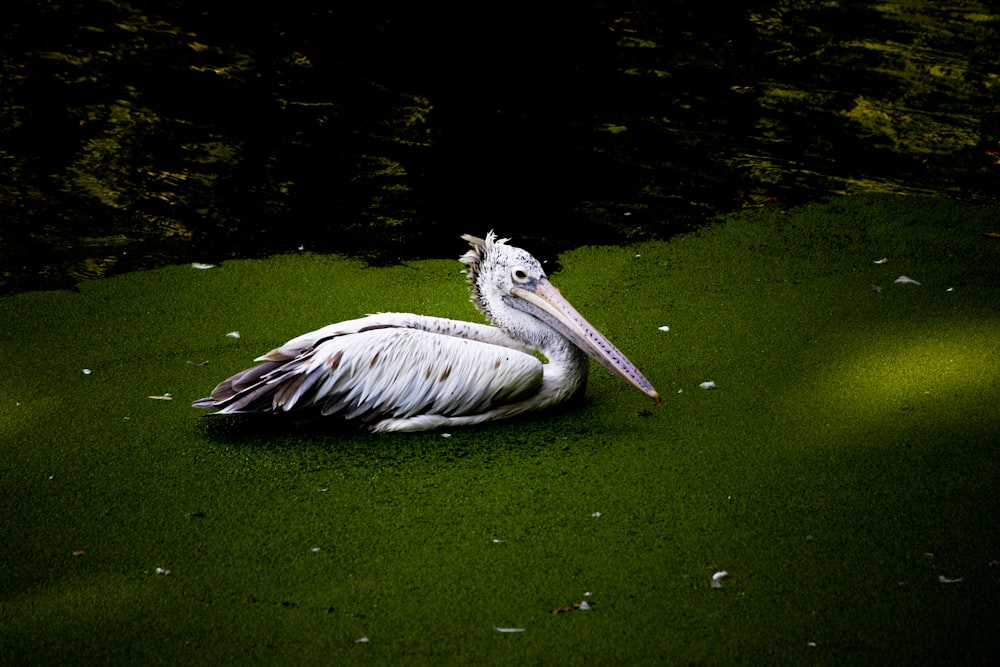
{"x": 563, "y": 317}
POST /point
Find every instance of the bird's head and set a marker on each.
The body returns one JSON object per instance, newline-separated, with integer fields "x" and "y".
{"x": 495, "y": 269}
{"x": 510, "y": 287}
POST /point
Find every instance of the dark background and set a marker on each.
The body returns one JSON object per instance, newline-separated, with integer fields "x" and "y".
{"x": 134, "y": 134}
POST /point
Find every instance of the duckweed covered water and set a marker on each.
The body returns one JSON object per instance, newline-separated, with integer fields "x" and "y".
{"x": 843, "y": 472}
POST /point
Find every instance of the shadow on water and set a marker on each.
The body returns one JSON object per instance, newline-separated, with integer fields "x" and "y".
{"x": 348, "y": 443}
{"x": 135, "y": 136}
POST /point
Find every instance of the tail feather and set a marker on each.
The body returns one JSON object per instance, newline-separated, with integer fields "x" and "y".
{"x": 236, "y": 393}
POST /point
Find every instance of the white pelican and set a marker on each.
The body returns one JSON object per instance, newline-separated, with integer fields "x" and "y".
{"x": 404, "y": 372}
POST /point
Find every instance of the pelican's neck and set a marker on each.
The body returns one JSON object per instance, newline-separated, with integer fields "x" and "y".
{"x": 566, "y": 365}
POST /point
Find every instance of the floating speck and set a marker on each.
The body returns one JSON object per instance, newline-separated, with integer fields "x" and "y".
{"x": 87, "y": 371}
{"x": 499, "y": 629}
{"x": 881, "y": 261}
{"x": 316, "y": 550}
{"x": 707, "y": 385}
{"x": 79, "y": 552}
{"x": 718, "y": 577}
{"x": 903, "y": 280}
{"x": 162, "y": 571}
{"x": 200, "y": 265}
{"x": 363, "y": 640}
{"x": 446, "y": 435}
{"x": 233, "y": 334}
{"x": 576, "y": 606}
{"x": 596, "y": 514}
{"x": 877, "y": 288}
{"x": 664, "y": 328}
{"x": 947, "y": 580}
{"x": 162, "y": 397}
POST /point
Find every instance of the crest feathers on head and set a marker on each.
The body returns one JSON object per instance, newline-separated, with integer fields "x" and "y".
{"x": 473, "y": 258}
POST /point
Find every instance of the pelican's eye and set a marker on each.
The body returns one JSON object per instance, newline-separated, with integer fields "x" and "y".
{"x": 520, "y": 274}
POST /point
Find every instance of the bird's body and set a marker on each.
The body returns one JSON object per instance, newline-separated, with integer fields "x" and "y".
{"x": 405, "y": 372}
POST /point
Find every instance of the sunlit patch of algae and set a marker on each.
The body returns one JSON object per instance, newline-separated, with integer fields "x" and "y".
{"x": 846, "y": 462}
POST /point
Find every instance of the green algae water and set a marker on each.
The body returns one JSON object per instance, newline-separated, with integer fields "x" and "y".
{"x": 842, "y": 472}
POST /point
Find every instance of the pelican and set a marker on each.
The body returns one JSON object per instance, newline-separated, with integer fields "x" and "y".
{"x": 405, "y": 372}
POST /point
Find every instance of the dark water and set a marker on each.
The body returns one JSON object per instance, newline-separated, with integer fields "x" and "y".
{"x": 135, "y": 134}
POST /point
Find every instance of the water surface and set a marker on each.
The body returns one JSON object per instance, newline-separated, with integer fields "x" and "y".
{"x": 139, "y": 134}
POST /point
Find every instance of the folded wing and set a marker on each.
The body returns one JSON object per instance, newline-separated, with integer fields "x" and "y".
{"x": 373, "y": 371}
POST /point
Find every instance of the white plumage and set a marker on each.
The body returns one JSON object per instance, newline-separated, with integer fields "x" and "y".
{"x": 405, "y": 372}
